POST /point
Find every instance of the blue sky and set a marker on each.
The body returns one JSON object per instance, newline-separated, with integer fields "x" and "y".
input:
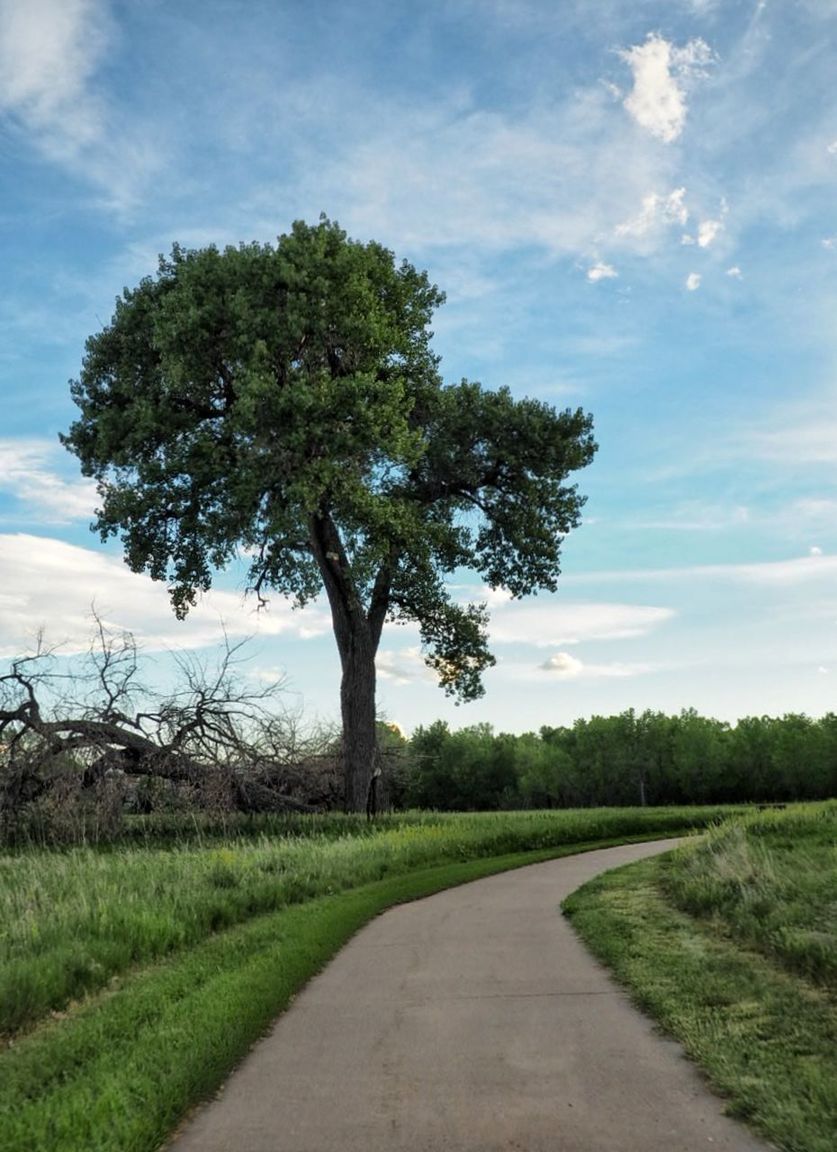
{"x": 631, "y": 207}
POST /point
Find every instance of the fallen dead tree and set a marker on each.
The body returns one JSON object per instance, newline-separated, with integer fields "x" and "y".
{"x": 94, "y": 738}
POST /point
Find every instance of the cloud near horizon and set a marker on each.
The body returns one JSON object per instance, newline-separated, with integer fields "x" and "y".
{"x": 776, "y": 573}
{"x": 51, "y": 585}
{"x": 563, "y": 666}
{"x": 546, "y": 625}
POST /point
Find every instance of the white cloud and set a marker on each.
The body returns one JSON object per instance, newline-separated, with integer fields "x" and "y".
{"x": 822, "y": 511}
{"x": 707, "y": 231}
{"x": 541, "y": 624}
{"x": 693, "y": 281}
{"x": 695, "y": 516}
{"x": 49, "y": 52}
{"x": 657, "y": 101}
{"x": 601, "y": 271}
{"x": 493, "y": 597}
{"x": 563, "y": 666}
{"x": 269, "y": 674}
{"x": 47, "y": 583}
{"x": 404, "y": 666}
{"x": 658, "y": 211}
{"x": 815, "y": 550}
{"x": 831, "y": 148}
{"x": 27, "y": 472}
{"x": 811, "y": 438}
{"x": 830, "y": 242}
{"x": 772, "y": 573}
{"x": 556, "y": 175}
{"x": 547, "y": 624}
{"x": 734, "y": 272}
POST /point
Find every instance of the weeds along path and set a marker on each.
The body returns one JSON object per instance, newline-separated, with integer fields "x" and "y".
{"x": 473, "y": 1019}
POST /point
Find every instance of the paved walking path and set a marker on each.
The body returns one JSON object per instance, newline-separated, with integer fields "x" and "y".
{"x": 471, "y": 1020}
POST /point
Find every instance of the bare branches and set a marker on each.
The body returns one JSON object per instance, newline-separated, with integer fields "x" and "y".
{"x": 114, "y": 661}
{"x": 94, "y": 719}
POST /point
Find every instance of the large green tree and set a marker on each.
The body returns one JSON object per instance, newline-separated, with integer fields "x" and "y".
{"x": 283, "y": 402}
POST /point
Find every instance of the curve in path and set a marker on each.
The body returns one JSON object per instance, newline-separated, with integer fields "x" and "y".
{"x": 470, "y": 1020}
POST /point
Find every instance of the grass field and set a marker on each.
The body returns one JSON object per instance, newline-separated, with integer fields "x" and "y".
{"x": 132, "y": 979}
{"x": 731, "y": 943}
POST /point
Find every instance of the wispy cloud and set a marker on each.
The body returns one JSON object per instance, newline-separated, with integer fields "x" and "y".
{"x": 47, "y": 583}
{"x": 563, "y": 666}
{"x": 551, "y": 624}
{"x": 50, "y": 55}
{"x": 810, "y": 437}
{"x": 659, "y": 211}
{"x": 404, "y": 666}
{"x": 704, "y": 7}
{"x": 29, "y": 471}
{"x": 771, "y": 573}
{"x": 556, "y": 175}
{"x": 694, "y": 517}
{"x": 693, "y": 281}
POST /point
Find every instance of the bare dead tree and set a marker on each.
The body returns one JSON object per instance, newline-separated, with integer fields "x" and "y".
{"x": 99, "y": 719}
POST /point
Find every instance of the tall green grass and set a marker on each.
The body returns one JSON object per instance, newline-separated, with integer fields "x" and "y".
{"x": 72, "y": 920}
{"x": 770, "y": 881}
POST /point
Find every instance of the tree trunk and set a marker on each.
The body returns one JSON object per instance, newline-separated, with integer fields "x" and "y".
{"x": 358, "y": 634}
{"x": 357, "y": 706}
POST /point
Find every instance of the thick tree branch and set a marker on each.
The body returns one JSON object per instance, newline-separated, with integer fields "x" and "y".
{"x": 379, "y": 601}
{"x": 330, "y": 554}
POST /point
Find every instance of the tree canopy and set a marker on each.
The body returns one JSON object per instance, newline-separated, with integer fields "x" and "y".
{"x": 284, "y": 403}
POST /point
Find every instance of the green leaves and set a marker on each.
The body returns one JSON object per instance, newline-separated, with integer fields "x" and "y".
{"x": 241, "y": 395}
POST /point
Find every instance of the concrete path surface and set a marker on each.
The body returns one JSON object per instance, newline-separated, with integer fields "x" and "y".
{"x": 471, "y": 1020}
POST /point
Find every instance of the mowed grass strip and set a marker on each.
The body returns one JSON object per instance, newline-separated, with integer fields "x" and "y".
{"x": 747, "y": 984}
{"x": 72, "y": 920}
{"x": 119, "y": 1071}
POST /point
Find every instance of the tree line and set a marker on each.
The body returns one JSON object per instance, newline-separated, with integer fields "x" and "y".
{"x": 88, "y": 745}
{"x": 634, "y": 758}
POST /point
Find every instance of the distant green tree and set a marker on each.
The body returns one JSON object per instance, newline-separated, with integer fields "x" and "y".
{"x": 750, "y": 760}
{"x": 699, "y": 750}
{"x": 482, "y": 767}
{"x": 824, "y": 774}
{"x": 284, "y": 403}
{"x": 545, "y": 774}
{"x": 431, "y": 783}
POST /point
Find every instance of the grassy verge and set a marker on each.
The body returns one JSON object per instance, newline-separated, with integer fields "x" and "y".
{"x": 72, "y": 920}
{"x": 117, "y": 1072}
{"x": 730, "y": 944}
